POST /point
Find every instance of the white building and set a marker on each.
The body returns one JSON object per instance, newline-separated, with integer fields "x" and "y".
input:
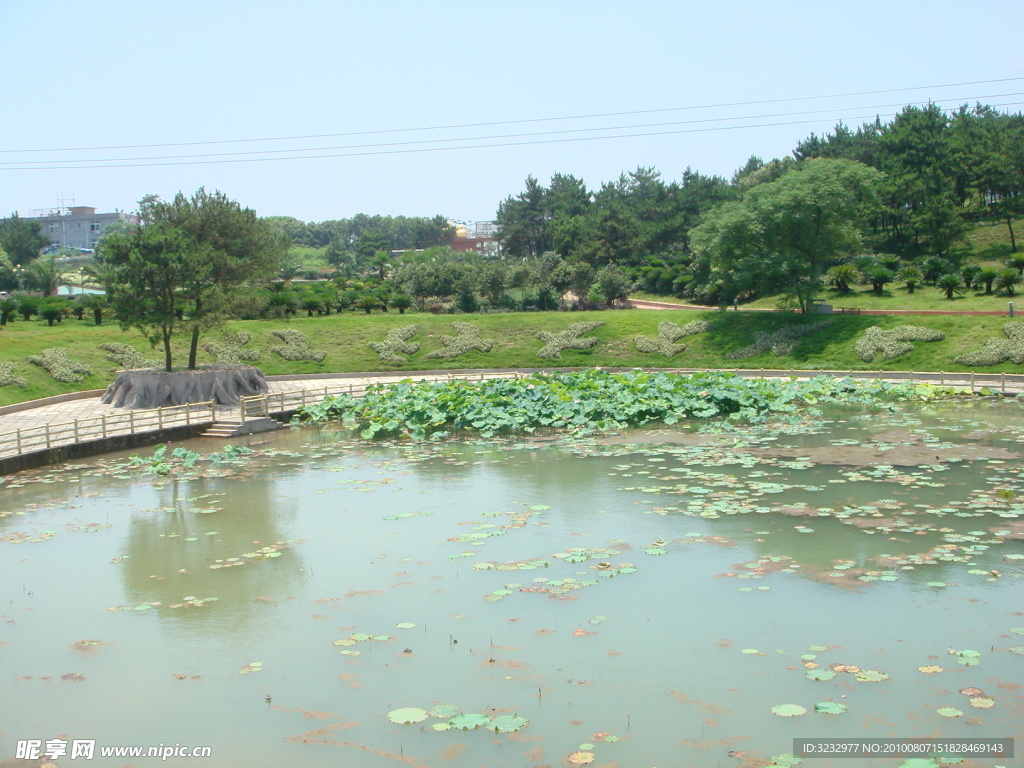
{"x": 78, "y": 226}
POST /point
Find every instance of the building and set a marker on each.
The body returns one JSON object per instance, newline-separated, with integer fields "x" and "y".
{"x": 77, "y": 226}
{"x": 476, "y": 237}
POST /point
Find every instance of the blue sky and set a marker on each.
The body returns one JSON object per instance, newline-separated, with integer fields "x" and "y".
{"x": 200, "y": 76}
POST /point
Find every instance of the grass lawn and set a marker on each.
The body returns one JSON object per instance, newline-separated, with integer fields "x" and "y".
{"x": 344, "y": 338}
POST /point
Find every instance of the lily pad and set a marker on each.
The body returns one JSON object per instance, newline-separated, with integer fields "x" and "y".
{"x": 949, "y": 712}
{"x": 407, "y": 715}
{"x": 788, "y": 710}
{"x": 982, "y": 702}
{"x": 871, "y": 676}
{"x": 820, "y": 674}
{"x": 580, "y": 758}
{"x": 469, "y": 721}
{"x": 508, "y": 723}
{"x": 445, "y": 711}
{"x": 830, "y": 707}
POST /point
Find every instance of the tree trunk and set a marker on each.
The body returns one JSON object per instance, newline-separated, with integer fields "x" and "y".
{"x": 1013, "y": 240}
{"x": 193, "y": 349}
{"x": 167, "y": 349}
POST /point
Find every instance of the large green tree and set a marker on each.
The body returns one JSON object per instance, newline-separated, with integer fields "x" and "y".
{"x": 21, "y": 238}
{"x": 190, "y": 263}
{"x": 783, "y": 234}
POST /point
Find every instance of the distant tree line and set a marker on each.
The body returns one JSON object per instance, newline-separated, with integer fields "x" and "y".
{"x": 907, "y": 189}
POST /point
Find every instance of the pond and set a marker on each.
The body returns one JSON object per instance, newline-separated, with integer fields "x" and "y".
{"x": 695, "y": 596}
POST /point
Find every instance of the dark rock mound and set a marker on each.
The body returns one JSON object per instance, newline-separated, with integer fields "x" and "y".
{"x": 150, "y": 388}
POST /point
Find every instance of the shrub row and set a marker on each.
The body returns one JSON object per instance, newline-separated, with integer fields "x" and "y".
{"x": 894, "y": 342}
{"x": 62, "y": 368}
{"x": 780, "y": 342}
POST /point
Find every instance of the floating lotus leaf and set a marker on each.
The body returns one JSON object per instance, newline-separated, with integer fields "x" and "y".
{"x": 788, "y": 710}
{"x": 930, "y": 669}
{"x": 830, "y": 707}
{"x": 871, "y": 676}
{"x": 1016, "y": 649}
{"x": 982, "y": 702}
{"x": 405, "y": 625}
{"x": 972, "y": 692}
{"x": 469, "y": 721}
{"x": 853, "y": 668}
{"x": 445, "y": 711}
{"x": 1017, "y": 630}
{"x": 508, "y": 723}
{"x": 580, "y": 758}
{"x": 949, "y": 712}
{"x": 750, "y": 651}
{"x": 407, "y": 715}
{"x": 820, "y": 674}
{"x": 441, "y": 726}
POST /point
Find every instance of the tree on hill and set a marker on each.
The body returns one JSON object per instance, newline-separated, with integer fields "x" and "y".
{"x": 781, "y": 235}
{"x": 188, "y": 264}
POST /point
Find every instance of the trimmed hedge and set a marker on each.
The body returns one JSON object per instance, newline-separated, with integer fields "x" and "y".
{"x": 230, "y": 349}
{"x": 61, "y": 367}
{"x": 894, "y": 342}
{"x": 780, "y": 342}
{"x": 998, "y": 350}
{"x": 125, "y": 356}
{"x": 668, "y": 333}
{"x": 396, "y": 344}
{"x": 567, "y": 339}
{"x": 296, "y": 347}
{"x": 467, "y": 340}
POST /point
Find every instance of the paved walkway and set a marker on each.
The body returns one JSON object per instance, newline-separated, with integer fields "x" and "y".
{"x": 643, "y": 304}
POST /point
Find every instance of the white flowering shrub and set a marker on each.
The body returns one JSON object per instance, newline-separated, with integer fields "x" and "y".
{"x": 296, "y": 347}
{"x": 668, "y": 334}
{"x": 9, "y": 378}
{"x": 231, "y": 349}
{"x": 468, "y": 339}
{"x": 998, "y": 350}
{"x": 892, "y": 343}
{"x": 396, "y": 344}
{"x": 570, "y": 338}
{"x": 62, "y": 368}
{"x": 125, "y": 357}
{"x": 780, "y": 342}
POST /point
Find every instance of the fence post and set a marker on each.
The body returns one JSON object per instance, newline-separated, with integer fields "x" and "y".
{"x": 160, "y": 418}
{"x": 213, "y": 410}
{"x": 17, "y": 439}
{"x": 1002, "y": 382}
{"x": 972, "y": 382}
{"x": 942, "y": 378}
{"x": 76, "y": 430}
{"x": 46, "y": 428}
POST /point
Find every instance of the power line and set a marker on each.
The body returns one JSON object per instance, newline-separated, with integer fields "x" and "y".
{"x": 500, "y": 136}
{"x": 516, "y": 122}
{"x": 450, "y": 149}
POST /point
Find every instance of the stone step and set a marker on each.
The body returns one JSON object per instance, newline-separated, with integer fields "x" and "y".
{"x": 232, "y": 428}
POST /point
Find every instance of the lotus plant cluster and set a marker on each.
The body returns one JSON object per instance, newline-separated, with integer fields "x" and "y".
{"x": 584, "y": 401}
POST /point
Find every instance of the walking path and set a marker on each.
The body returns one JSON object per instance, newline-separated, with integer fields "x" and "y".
{"x": 53, "y": 425}
{"x": 644, "y": 304}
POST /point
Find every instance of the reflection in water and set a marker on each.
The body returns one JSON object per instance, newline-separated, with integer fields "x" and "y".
{"x": 645, "y": 598}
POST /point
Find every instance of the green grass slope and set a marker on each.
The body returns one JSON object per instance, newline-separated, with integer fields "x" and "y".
{"x": 344, "y": 338}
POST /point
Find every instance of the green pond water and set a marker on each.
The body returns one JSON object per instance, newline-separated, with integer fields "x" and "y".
{"x": 631, "y": 600}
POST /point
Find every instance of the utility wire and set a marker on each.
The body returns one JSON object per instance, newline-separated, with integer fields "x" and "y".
{"x": 449, "y": 149}
{"x": 486, "y": 138}
{"x": 516, "y": 122}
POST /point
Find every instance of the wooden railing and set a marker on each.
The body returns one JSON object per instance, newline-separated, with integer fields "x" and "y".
{"x": 260, "y": 406}
{"x": 47, "y": 436}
